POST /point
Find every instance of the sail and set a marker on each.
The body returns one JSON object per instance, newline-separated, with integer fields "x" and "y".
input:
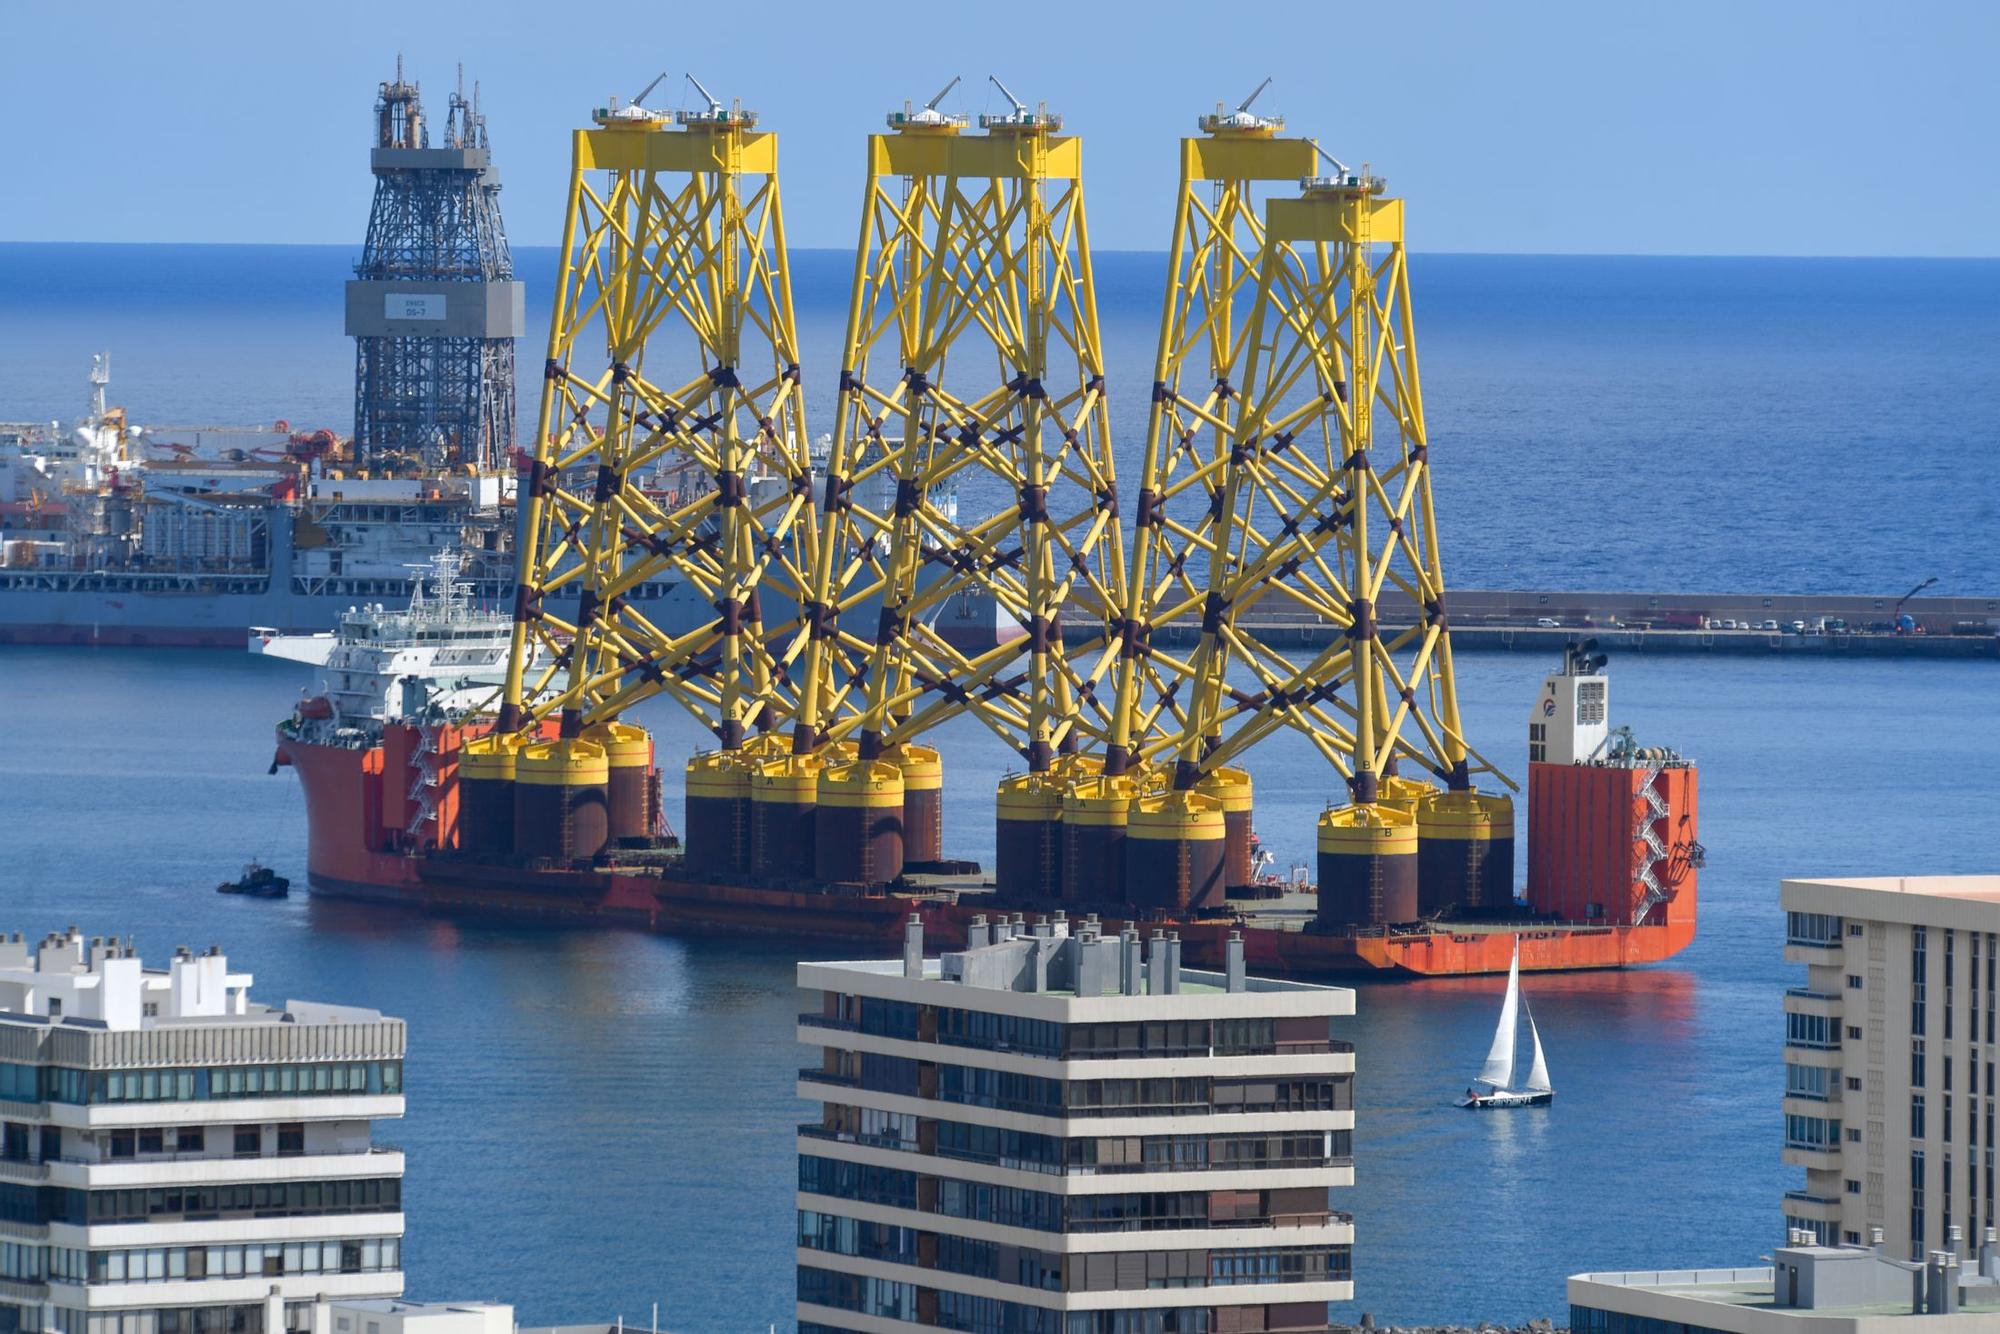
{"x": 1538, "y": 1073}
{"x": 1498, "y": 1072}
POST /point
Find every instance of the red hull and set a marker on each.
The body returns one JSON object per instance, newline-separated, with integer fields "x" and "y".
{"x": 356, "y": 849}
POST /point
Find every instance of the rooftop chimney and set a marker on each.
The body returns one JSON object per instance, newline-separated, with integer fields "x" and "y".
{"x": 913, "y": 946}
{"x": 978, "y": 933}
{"x": 1130, "y": 978}
{"x": 1233, "y": 965}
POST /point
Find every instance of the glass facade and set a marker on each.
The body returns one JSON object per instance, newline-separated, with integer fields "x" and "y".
{"x": 1171, "y": 1253}
{"x": 54, "y": 1083}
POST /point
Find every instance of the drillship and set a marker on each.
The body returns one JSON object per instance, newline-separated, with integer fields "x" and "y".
{"x": 120, "y": 534}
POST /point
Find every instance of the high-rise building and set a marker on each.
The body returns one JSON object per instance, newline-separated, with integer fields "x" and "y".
{"x": 179, "y": 1160}
{"x": 1889, "y": 1055}
{"x": 1057, "y": 1132}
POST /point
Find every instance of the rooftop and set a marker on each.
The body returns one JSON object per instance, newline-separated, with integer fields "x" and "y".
{"x": 1847, "y": 1287}
{"x": 99, "y": 982}
{"x": 1059, "y": 962}
{"x": 1979, "y": 888}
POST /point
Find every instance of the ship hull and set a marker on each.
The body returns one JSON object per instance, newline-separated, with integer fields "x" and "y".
{"x": 358, "y": 850}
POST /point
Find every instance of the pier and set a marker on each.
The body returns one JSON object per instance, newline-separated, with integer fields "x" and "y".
{"x": 1814, "y": 625}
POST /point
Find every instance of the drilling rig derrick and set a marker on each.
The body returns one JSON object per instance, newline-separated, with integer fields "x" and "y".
{"x": 433, "y": 308}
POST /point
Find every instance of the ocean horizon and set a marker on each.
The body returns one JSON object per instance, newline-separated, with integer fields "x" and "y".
{"x": 1792, "y": 425}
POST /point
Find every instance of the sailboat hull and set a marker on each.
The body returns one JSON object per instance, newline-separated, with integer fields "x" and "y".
{"x": 1503, "y": 1100}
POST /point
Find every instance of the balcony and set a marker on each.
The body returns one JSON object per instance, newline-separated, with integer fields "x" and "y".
{"x": 821, "y": 1021}
{"x": 1805, "y": 1204}
{"x": 901, "y": 1145}
{"x": 816, "y": 1076}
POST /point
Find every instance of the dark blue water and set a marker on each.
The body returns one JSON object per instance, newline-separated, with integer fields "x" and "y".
{"x": 1787, "y": 425}
{"x": 600, "y": 1121}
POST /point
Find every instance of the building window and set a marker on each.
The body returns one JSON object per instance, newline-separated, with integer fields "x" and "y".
{"x": 1811, "y": 928}
{"x": 1854, "y": 1083}
{"x": 1919, "y": 971}
{"x": 1917, "y": 1116}
{"x": 291, "y": 1139}
{"x": 190, "y": 1139}
{"x": 1811, "y": 1132}
{"x": 1917, "y": 1201}
{"x": 1854, "y": 1033}
{"x": 1854, "y": 928}
{"x": 1853, "y": 1187}
{"x": 1854, "y": 981}
{"x": 1853, "y": 1135}
{"x": 1805, "y": 1081}
{"x": 1917, "y": 1067}
{"x": 249, "y": 1141}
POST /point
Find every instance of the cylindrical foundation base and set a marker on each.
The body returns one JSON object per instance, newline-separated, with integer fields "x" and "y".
{"x": 486, "y": 795}
{"x": 1176, "y": 849}
{"x": 716, "y": 840}
{"x": 1465, "y": 853}
{"x": 1094, "y": 812}
{"x": 858, "y": 830}
{"x": 923, "y": 803}
{"x": 561, "y": 801}
{"x": 1367, "y": 867}
{"x": 628, "y": 751}
{"x": 783, "y": 807}
{"x": 1027, "y": 845}
{"x": 1231, "y": 787}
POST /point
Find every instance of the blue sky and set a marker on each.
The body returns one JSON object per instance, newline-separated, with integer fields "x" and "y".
{"x": 1685, "y": 128}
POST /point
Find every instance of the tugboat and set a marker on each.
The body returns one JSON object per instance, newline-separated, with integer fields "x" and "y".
{"x": 258, "y": 881}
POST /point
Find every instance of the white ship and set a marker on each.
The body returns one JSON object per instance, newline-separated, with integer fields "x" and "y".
{"x": 441, "y": 656}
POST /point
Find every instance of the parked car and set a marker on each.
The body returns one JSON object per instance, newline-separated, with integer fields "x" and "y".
{"x": 1767, "y": 625}
{"x": 1797, "y": 627}
{"x": 1547, "y": 623}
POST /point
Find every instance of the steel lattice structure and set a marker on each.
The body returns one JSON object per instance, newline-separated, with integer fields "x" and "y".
{"x": 1287, "y": 474}
{"x": 672, "y": 445}
{"x": 972, "y": 363}
{"x": 434, "y": 309}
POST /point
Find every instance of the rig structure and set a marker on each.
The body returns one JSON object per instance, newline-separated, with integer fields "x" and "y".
{"x": 433, "y": 308}
{"x": 1286, "y": 466}
{"x": 1287, "y": 476}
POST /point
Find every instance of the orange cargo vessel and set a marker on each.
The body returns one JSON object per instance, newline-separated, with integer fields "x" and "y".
{"x": 1613, "y": 861}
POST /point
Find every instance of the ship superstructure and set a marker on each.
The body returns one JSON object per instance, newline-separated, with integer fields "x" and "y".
{"x": 439, "y": 655}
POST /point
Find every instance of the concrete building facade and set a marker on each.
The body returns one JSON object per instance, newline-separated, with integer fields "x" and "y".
{"x": 175, "y": 1159}
{"x": 1890, "y": 1048}
{"x": 1057, "y": 1132}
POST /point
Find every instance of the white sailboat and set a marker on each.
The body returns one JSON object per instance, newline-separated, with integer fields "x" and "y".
{"x": 1495, "y": 1087}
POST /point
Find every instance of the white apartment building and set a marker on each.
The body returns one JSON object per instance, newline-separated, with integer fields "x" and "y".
{"x": 175, "y": 1159}
{"x": 1890, "y": 1046}
{"x": 1068, "y": 1133}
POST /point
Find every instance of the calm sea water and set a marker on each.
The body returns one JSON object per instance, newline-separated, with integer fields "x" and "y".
{"x": 1708, "y": 424}
{"x": 601, "y": 1120}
